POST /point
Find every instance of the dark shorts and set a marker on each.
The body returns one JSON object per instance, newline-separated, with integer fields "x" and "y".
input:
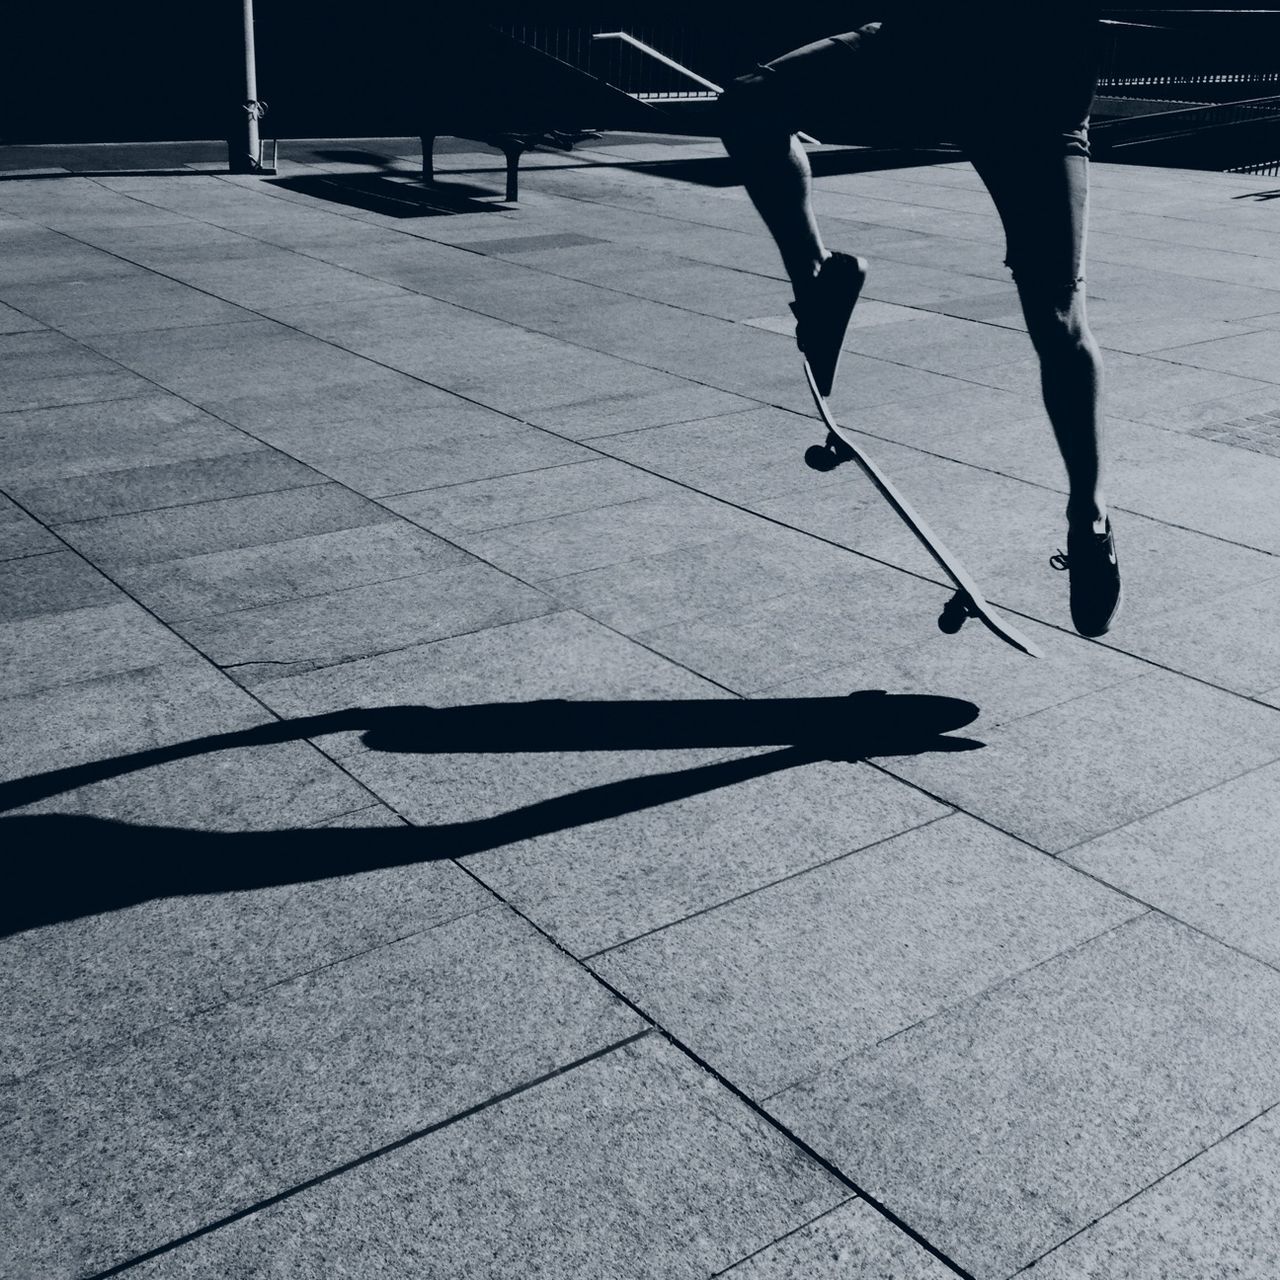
{"x": 1027, "y": 136}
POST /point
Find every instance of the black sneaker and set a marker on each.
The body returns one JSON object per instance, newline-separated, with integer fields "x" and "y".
{"x": 1096, "y": 594}
{"x": 823, "y": 312}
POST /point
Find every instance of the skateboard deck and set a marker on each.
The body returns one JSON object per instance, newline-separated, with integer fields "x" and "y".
{"x": 968, "y": 601}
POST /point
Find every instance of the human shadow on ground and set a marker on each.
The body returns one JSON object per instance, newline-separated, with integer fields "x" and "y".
{"x": 73, "y": 865}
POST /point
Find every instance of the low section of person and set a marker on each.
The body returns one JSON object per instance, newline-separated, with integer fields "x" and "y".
{"x": 1012, "y": 84}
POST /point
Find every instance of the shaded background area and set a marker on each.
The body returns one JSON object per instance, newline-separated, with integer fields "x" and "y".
{"x": 150, "y": 70}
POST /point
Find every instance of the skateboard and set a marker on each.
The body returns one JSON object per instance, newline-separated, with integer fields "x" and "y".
{"x": 968, "y": 601}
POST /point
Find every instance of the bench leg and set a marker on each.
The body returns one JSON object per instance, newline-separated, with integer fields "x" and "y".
{"x": 513, "y": 153}
{"x": 428, "y": 161}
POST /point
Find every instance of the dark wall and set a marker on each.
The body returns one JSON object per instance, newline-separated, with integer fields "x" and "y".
{"x": 171, "y": 69}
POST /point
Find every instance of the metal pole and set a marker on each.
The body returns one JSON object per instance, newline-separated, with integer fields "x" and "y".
{"x": 249, "y": 159}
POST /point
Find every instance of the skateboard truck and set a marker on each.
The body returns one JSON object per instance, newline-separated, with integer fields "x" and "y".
{"x": 956, "y": 612}
{"x": 829, "y": 455}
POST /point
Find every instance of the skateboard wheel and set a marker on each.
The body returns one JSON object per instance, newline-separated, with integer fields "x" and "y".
{"x": 953, "y": 615}
{"x": 820, "y": 458}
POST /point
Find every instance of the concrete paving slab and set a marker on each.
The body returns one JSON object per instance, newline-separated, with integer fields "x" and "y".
{"x": 1172, "y": 737}
{"x": 607, "y": 414}
{"x": 227, "y": 581}
{"x": 451, "y": 459}
{"x": 15, "y": 321}
{"x": 1008, "y": 1124}
{"x": 275, "y": 640}
{"x": 122, "y": 974}
{"x": 852, "y": 613}
{"x": 78, "y": 440}
{"x": 54, "y": 582}
{"x": 852, "y": 1242}
{"x": 573, "y": 1179}
{"x": 535, "y": 495}
{"x": 1207, "y": 860}
{"x": 594, "y": 886}
{"x": 21, "y": 536}
{"x": 45, "y": 651}
{"x": 742, "y": 457}
{"x": 283, "y": 1087}
{"x": 275, "y": 787}
{"x": 1212, "y": 1214}
{"x": 1002, "y": 684}
{"x": 710, "y": 579}
{"x": 545, "y": 662}
{"x": 582, "y": 540}
{"x": 136, "y": 301}
{"x": 783, "y": 983}
{"x": 115, "y": 714}
{"x": 221, "y": 524}
{"x": 1250, "y": 355}
{"x": 164, "y": 484}
{"x": 19, "y": 394}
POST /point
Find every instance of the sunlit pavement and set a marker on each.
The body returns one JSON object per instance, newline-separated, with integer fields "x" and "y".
{"x": 479, "y": 805}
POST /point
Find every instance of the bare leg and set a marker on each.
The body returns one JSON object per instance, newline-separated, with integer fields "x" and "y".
{"x": 1042, "y": 199}
{"x": 760, "y": 113}
{"x": 1071, "y": 382}
{"x": 778, "y": 180}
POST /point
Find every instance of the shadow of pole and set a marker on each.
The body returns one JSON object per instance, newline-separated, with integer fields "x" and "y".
{"x": 77, "y": 865}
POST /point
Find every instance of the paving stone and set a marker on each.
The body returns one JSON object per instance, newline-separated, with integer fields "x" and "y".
{"x": 1101, "y": 761}
{"x": 14, "y": 321}
{"x": 79, "y": 440}
{"x": 573, "y": 1179}
{"x": 21, "y": 536}
{"x": 852, "y": 1242}
{"x": 1207, "y": 860}
{"x": 749, "y": 822}
{"x": 1002, "y": 684}
{"x": 121, "y": 304}
{"x": 583, "y": 540}
{"x": 451, "y": 461}
{"x": 227, "y": 581}
{"x": 1238, "y": 652}
{"x": 23, "y": 394}
{"x": 108, "y": 978}
{"x": 216, "y": 787}
{"x": 1248, "y": 355}
{"x": 1001, "y": 1127}
{"x": 1212, "y": 1215}
{"x": 780, "y": 984}
{"x": 742, "y": 457}
{"x": 606, "y": 414}
{"x": 108, "y": 493}
{"x": 224, "y": 524}
{"x": 53, "y": 649}
{"x": 284, "y": 1086}
{"x": 115, "y": 714}
{"x": 848, "y": 615}
{"x": 712, "y": 578}
{"x": 51, "y": 583}
{"x": 45, "y": 355}
{"x": 277, "y": 639}
{"x": 534, "y": 495}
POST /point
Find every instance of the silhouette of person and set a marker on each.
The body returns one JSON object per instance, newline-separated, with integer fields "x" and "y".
{"x": 1012, "y": 83}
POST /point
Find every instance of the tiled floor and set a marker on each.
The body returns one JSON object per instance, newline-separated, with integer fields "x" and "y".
{"x": 483, "y": 807}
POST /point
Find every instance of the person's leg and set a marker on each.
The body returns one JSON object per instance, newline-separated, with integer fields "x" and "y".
{"x": 1042, "y": 197}
{"x": 760, "y": 113}
{"x": 1043, "y": 203}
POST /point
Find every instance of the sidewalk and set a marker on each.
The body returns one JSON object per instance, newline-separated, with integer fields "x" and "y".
{"x": 485, "y": 808}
